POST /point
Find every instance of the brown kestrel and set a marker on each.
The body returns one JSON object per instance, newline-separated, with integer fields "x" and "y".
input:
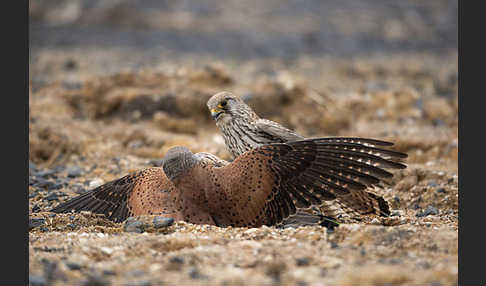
{"x": 244, "y": 130}
{"x": 261, "y": 187}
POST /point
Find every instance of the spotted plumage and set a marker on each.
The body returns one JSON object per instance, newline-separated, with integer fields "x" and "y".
{"x": 263, "y": 186}
{"x": 243, "y": 130}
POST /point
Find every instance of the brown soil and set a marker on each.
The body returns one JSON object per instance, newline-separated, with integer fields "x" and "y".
{"x": 107, "y": 111}
{"x": 112, "y": 124}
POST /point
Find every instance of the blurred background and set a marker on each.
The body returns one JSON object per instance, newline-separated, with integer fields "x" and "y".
{"x": 247, "y": 29}
{"x": 372, "y": 68}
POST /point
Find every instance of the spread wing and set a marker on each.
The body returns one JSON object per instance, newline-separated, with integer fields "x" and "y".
{"x": 144, "y": 192}
{"x": 266, "y": 184}
{"x": 274, "y": 130}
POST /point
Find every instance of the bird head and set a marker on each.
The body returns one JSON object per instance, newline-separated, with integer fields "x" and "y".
{"x": 224, "y": 106}
{"x": 177, "y": 161}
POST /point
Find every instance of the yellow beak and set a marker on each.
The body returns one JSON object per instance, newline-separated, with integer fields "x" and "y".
{"x": 215, "y": 112}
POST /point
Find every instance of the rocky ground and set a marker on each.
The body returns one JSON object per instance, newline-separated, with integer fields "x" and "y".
{"x": 97, "y": 114}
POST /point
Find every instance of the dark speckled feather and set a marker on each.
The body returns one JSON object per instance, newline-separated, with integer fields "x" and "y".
{"x": 348, "y": 165}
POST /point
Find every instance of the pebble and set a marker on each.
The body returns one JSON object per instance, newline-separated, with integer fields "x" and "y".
{"x": 73, "y": 172}
{"x": 36, "y": 280}
{"x": 441, "y": 190}
{"x": 195, "y": 274}
{"x": 73, "y": 265}
{"x": 45, "y": 184}
{"x": 35, "y": 222}
{"x": 72, "y": 85}
{"x": 303, "y": 261}
{"x": 432, "y": 184}
{"x": 70, "y": 64}
{"x": 160, "y": 222}
{"x": 142, "y": 283}
{"x": 132, "y": 225}
{"x": 430, "y": 210}
{"x": 52, "y": 197}
{"x": 46, "y": 173}
{"x": 95, "y": 183}
{"x": 95, "y": 280}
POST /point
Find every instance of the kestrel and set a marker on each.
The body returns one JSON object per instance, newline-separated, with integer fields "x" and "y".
{"x": 243, "y": 130}
{"x": 260, "y": 187}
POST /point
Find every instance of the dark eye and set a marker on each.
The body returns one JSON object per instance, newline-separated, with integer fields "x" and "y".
{"x": 223, "y": 103}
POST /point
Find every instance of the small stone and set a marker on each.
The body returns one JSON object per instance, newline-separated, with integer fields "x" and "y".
{"x": 35, "y": 280}
{"x": 441, "y": 190}
{"x": 35, "y": 222}
{"x": 70, "y": 64}
{"x": 73, "y": 172}
{"x": 45, "y": 174}
{"x": 133, "y": 226}
{"x": 375, "y": 221}
{"x": 95, "y": 280}
{"x": 430, "y": 210}
{"x": 95, "y": 183}
{"x": 432, "y": 184}
{"x": 44, "y": 184}
{"x": 303, "y": 261}
{"x": 142, "y": 283}
{"x": 175, "y": 263}
{"x": 109, "y": 272}
{"x": 176, "y": 259}
{"x": 160, "y": 222}
{"x": 73, "y": 265}
{"x": 195, "y": 274}
{"x": 72, "y": 84}
{"x": 52, "y": 197}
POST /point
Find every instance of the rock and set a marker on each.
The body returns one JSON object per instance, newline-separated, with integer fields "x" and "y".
{"x": 303, "y": 261}
{"x": 441, "y": 190}
{"x": 73, "y": 172}
{"x": 195, "y": 274}
{"x": 430, "y": 210}
{"x": 133, "y": 225}
{"x": 44, "y": 184}
{"x": 141, "y": 283}
{"x": 70, "y": 64}
{"x": 72, "y": 84}
{"x": 95, "y": 280}
{"x": 175, "y": 263}
{"x": 160, "y": 222}
{"x": 73, "y": 265}
{"x": 35, "y": 280}
{"x": 52, "y": 197}
{"x": 95, "y": 183}
{"x": 46, "y": 173}
{"x": 432, "y": 184}
{"x": 35, "y": 222}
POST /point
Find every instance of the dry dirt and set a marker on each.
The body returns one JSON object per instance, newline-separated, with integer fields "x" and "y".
{"x": 88, "y": 126}
{"x": 99, "y": 112}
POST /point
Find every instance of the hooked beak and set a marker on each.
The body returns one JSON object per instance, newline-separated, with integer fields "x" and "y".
{"x": 215, "y": 113}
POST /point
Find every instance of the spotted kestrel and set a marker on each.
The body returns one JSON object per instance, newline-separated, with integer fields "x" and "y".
{"x": 243, "y": 130}
{"x": 261, "y": 187}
